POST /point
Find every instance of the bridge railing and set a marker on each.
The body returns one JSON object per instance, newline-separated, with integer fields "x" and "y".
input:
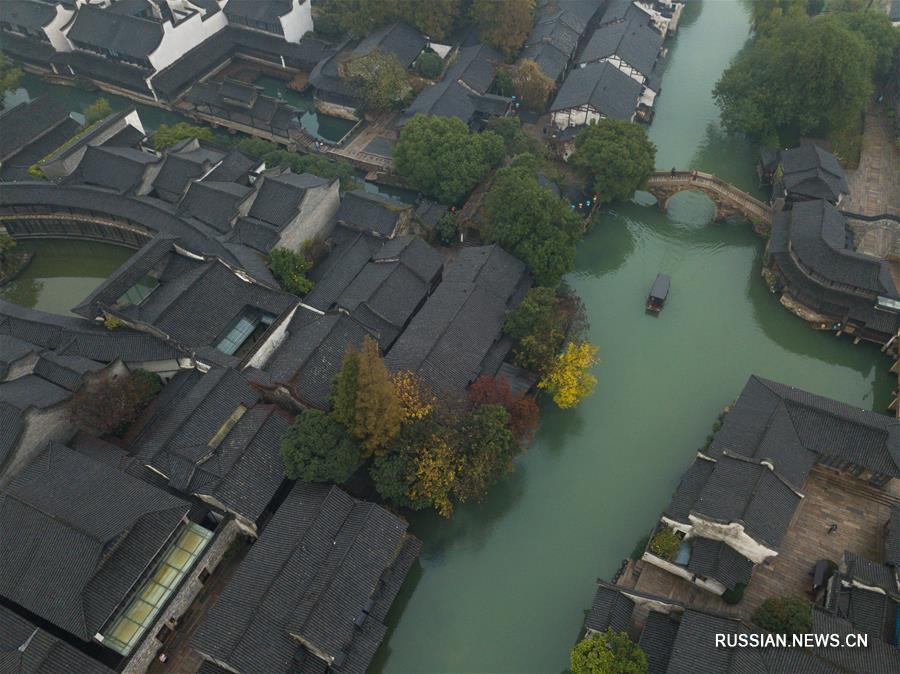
{"x": 720, "y": 186}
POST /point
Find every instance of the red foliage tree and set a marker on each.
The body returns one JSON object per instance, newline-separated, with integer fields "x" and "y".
{"x": 524, "y": 414}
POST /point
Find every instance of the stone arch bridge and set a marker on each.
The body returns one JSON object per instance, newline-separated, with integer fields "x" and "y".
{"x": 729, "y": 200}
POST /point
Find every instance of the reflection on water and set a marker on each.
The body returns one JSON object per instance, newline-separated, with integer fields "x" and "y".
{"x": 316, "y": 124}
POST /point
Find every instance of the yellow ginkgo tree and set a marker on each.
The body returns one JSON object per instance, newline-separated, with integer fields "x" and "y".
{"x": 569, "y": 380}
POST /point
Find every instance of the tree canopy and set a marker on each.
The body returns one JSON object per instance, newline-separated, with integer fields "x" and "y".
{"x": 616, "y": 156}
{"x": 531, "y": 85}
{"x": 10, "y": 76}
{"x": 569, "y": 380}
{"x": 435, "y": 18}
{"x": 504, "y": 24}
{"x": 378, "y": 412}
{"x": 438, "y": 156}
{"x": 299, "y": 163}
{"x": 429, "y": 65}
{"x": 608, "y": 653}
{"x": 801, "y": 77}
{"x": 489, "y": 448}
{"x": 537, "y": 327}
{"x": 380, "y": 78}
{"x": 166, "y": 135}
{"x": 97, "y": 111}
{"x": 316, "y": 448}
{"x": 110, "y": 405}
{"x": 784, "y": 615}
{"x": 289, "y": 269}
{"x": 532, "y": 222}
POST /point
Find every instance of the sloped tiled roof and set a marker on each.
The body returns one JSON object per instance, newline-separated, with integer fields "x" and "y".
{"x": 399, "y": 39}
{"x": 812, "y": 173}
{"x": 792, "y": 428}
{"x": 370, "y": 212}
{"x": 25, "y": 648}
{"x": 657, "y": 639}
{"x": 278, "y": 199}
{"x": 718, "y": 560}
{"x": 892, "y": 539}
{"x": 26, "y": 122}
{"x": 119, "y": 33}
{"x": 602, "y": 86}
{"x": 316, "y": 585}
{"x": 610, "y": 610}
{"x": 118, "y": 168}
{"x": 214, "y": 202}
{"x": 75, "y": 536}
{"x": 635, "y": 42}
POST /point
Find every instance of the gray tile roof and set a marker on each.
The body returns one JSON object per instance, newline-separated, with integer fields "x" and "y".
{"x": 462, "y": 93}
{"x": 269, "y": 11}
{"x": 75, "y": 336}
{"x": 26, "y": 13}
{"x": 792, "y": 428}
{"x": 118, "y": 33}
{"x": 69, "y": 557}
{"x": 718, "y": 560}
{"x": 278, "y": 199}
{"x": 688, "y": 491}
{"x": 870, "y": 612}
{"x": 32, "y": 391}
{"x": 870, "y": 573}
{"x": 11, "y": 426}
{"x": 558, "y": 27}
{"x": 635, "y": 42}
{"x": 657, "y": 639}
{"x": 603, "y": 87}
{"x": 316, "y": 586}
{"x": 399, "y": 39}
{"x": 244, "y": 470}
{"x": 258, "y": 235}
{"x": 447, "y": 341}
{"x": 27, "y": 122}
{"x": 892, "y": 538}
{"x": 214, "y": 202}
{"x": 809, "y": 172}
{"x": 741, "y": 490}
{"x": 25, "y": 648}
{"x": 610, "y": 610}
{"x": 118, "y": 168}
{"x": 370, "y": 212}
{"x": 310, "y": 356}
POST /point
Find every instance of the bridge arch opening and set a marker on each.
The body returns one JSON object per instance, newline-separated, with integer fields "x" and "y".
{"x": 691, "y": 207}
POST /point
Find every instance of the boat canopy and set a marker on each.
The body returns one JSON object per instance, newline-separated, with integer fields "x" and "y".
{"x": 660, "y": 289}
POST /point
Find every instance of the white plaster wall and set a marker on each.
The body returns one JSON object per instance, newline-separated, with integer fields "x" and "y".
{"x": 734, "y": 535}
{"x": 298, "y": 22}
{"x": 315, "y": 217}
{"x": 180, "y": 39}
{"x": 265, "y": 349}
{"x": 54, "y": 31}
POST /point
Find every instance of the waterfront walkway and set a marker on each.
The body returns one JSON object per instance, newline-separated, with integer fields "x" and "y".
{"x": 875, "y": 183}
{"x": 729, "y": 200}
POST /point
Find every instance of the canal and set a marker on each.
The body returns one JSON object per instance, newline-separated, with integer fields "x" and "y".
{"x": 503, "y": 585}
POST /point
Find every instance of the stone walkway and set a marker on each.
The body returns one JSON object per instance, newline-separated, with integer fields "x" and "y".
{"x": 875, "y": 184}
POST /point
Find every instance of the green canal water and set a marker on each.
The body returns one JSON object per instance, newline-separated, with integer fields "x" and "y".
{"x": 62, "y": 273}
{"x": 503, "y": 586}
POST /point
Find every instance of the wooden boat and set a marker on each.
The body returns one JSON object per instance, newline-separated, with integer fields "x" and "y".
{"x": 658, "y": 293}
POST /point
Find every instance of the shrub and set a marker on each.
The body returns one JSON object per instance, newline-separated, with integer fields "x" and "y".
{"x": 665, "y": 544}
{"x": 111, "y": 405}
{"x": 784, "y": 615}
{"x": 289, "y": 269}
{"x": 429, "y": 65}
{"x": 608, "y": 653}
{"x": 112, "y": 323}
{"x": 735, "y": 595}
{"x": 523, "y": 411}
{"x": 97, "y": 111}
{"x": 447, "y": 230}
{"x": 166, "y": 135}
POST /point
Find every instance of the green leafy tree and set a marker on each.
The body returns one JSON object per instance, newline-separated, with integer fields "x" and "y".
{"x": 10, "y": 76}
{"x": 429, "y": 65}
{"x": 435, "y": 18}
{"x": 166, "y": 135}
{"x": 378, "y": 412}
{"x": 97, "y": 111}
{"x": 316, "y": 448}
{"x": 393, "y": 473}
{"x": 531, "y": 85}
{"x": 380, "y": 78}
{"x": 289, "y": 269}
{"x": 447, "y": 230}
{"x": 503, "y": 84}
{"x": 315, "y": 164}
{"x": 532, "y": 222}
{"x": 438, "y": 156}
{"x": 7, "y": 243}
{"x": 784, "y": 615}
{"x": 343, "y": 389}
{"x": 759, "y": 93}
{"x": 878, "y": 33}
{"x": 489, "y": 450}
{"x": 538, "y": 329}
{"x": 608, "y": 653}
{"x": 616, "y": 156}
{"x": 766, "y": 14}
{"x": 504, "y": 24}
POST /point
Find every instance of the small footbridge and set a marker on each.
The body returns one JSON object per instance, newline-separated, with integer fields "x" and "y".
{"x": 729, "y": 200}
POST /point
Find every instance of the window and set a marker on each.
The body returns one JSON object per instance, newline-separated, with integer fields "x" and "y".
{"x": 127, "y": 629}
{"x": 137, "y": 293}
{"x": 249, "y": 327}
